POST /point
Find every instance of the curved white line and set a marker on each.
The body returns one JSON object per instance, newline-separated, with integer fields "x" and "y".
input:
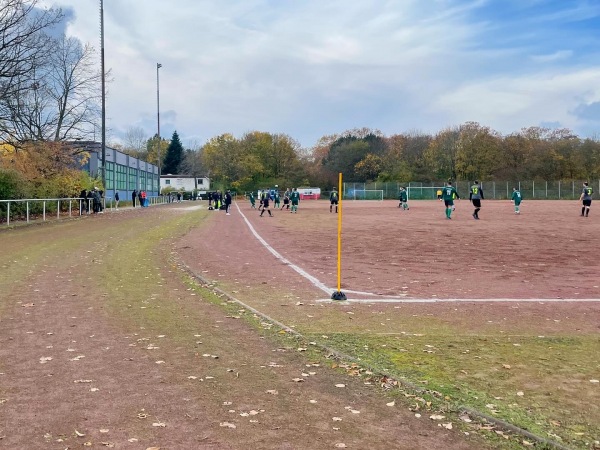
{"x": 315, "y": 282}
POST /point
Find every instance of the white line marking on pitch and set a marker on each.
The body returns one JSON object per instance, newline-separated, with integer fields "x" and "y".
{"x": 400, "y": 299}
{"x": 464, "y": 300}
{"x": 281, "y": 258}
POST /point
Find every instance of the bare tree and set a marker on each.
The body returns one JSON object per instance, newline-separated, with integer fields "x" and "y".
{"x": 62, "y": 103}
{"x": 23, "y": 45}
{"x": 136, "y": 142}
{"x": 192, "y": 163}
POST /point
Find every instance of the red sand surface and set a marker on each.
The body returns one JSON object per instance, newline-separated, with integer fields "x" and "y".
{"x": 548, "y": 251}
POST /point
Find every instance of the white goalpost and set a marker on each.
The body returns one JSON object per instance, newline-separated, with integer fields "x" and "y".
{"x": 365, "y": 194}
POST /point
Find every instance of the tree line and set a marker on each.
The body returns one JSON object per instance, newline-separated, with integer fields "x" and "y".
{"x": 466, "y": 152}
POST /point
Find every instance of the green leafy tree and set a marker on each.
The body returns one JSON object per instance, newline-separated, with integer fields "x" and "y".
{"x": 478, "y": 152}
{"x": 440, "y": 156}
{"x": 174, "y": 156}
{"x": 156, "y": 151}
{"x": 369, "y": 167}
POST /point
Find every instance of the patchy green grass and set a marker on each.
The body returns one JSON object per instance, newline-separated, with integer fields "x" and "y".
{"x": 541, "y": 384}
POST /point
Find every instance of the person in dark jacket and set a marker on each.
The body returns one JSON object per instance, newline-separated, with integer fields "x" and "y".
{"x": 85, "y": 205}
{"x": 133, "y": 197}
{"x": 227, "y": 202}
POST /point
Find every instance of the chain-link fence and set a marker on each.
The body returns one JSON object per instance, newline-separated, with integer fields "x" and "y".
{"x": 499, "y": 190}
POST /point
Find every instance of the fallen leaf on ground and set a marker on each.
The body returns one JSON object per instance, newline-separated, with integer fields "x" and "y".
{"x": 227, "y": 425}
{"x": 340, "y": 445}
{"x": 337, "y": 419}
{"x": 520, "y": 393}
{"x": 594, "y": 381}
{"x": 448, "y": 425}
{"x": 437, "y": 417}
{"x": 391, "y": 404}
{"x": 340, "y": 385}
{"x": 465, "y": 418}
{"x": 159, "y": 424}
{"x": 104, "y": 430}
{"x": 298, "y": 380}
{"x": 78, "y": 434}
{"x": 272, "y": 392}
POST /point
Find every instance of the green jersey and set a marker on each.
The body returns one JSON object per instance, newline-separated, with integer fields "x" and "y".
{"x": 516, "y": 197}
{"x": 295, "y": 197}
{"x": 402, "y": 196}
{"x": 449, "y": 193}
{"x": 333, "y": 196}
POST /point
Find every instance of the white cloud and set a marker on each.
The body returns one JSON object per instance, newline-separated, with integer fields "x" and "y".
{"x": 552, "y": 57}
{"x": 508, "y": 104}
{"x": 311, "y": 68}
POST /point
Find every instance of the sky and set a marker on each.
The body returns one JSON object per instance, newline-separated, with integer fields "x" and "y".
{"x": 310, "y": 68}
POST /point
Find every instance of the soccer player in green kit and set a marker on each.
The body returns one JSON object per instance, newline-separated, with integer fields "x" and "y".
{"x": 448, "y": 195}
{"x": 295, "y": 199}
{"x": 516, "y": 199}
{"x": 403, "y": 197}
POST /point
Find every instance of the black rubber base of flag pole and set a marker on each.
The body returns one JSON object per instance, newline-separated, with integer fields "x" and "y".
{"x": 338, "y": 295}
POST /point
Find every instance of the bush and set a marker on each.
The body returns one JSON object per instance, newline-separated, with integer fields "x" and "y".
{"x": 13, "y": 185}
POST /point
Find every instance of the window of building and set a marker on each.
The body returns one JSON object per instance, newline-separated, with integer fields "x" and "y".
{"x": 200, "y": 181}
{"x": 167, "y": 182}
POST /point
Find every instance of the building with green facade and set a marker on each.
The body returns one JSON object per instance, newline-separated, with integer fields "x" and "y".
{"x": 124, "y": 173}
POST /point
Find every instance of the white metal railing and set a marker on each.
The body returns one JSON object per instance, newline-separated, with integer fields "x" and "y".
{"x": 39, "y": 207}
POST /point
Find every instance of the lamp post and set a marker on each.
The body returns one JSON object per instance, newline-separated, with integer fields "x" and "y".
{"x": 158, "y": 66}
{"x": 103, "y": 94}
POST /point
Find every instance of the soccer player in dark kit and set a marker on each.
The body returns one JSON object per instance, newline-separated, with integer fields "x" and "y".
{"x": 476, "y": 195}
{"x": 265, "y": 204}
{"x": 586, "y": 199}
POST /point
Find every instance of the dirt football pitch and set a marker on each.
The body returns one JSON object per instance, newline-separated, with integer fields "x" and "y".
{"x": 160, "y": 328}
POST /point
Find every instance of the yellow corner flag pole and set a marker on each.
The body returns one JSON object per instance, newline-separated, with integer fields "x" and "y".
{"x": 339, "y": 295}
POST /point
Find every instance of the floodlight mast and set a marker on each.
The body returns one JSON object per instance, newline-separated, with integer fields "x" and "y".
{"x": 158, "y": 66}
{"x": 103, "y": 173}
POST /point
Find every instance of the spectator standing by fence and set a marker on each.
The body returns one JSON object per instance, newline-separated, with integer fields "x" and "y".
{"x": 85, "y": 204}
{"x": 117, "y": 200}
{"x": 133, "y": 197}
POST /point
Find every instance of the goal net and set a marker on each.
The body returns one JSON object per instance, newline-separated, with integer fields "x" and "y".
{"x": 365, "y": 194}
{"x": 422, "y": 192}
